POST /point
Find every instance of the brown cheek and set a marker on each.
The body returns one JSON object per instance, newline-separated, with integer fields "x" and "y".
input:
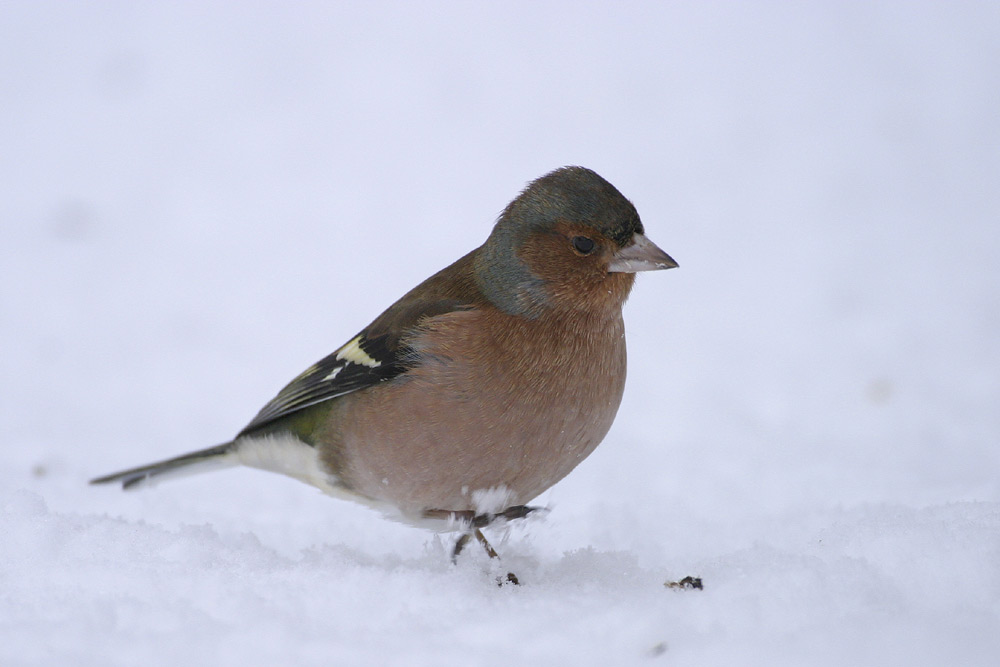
{"x": 550, "y": 258}
{"x": 573, "y": 278}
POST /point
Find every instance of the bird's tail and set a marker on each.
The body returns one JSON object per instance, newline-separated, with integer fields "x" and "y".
{"x": 204, "y": 460}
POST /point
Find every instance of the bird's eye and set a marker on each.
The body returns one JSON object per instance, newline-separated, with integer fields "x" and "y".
{"x": 583, "y": 245}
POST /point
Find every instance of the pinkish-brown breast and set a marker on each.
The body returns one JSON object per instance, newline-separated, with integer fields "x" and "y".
{"x": 502, "y": 419}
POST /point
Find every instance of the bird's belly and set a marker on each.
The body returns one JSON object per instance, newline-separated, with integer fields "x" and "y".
{"x": 458, "y": 448}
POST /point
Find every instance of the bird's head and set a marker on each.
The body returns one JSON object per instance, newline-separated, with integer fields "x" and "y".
{"x": 569, "y": 241}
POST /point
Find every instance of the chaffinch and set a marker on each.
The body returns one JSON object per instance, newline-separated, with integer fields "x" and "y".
{"x": 481, "y": 387}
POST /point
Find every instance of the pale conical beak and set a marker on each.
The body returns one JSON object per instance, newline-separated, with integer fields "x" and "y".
{"x": 640, "y": 255}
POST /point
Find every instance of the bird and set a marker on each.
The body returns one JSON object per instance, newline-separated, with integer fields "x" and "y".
{"x": 477, "y": 390}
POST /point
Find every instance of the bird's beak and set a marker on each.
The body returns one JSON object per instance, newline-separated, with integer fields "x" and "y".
{"x": 640, "y": 255}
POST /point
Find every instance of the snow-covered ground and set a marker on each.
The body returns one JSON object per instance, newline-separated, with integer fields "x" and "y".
{"x": 199, "y": 200}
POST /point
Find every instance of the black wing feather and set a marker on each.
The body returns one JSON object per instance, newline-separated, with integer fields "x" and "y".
{"x": 334, "y": 376}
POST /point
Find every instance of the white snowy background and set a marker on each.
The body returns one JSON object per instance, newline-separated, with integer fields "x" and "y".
{"x": 199, "y": 200}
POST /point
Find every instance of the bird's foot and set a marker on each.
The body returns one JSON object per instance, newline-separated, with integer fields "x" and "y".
{"x": 477, "y": 521}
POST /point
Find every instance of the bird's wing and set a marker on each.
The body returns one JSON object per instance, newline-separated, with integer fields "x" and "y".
{"x": 361, "y": 363}
{"x": 380, "y": 352}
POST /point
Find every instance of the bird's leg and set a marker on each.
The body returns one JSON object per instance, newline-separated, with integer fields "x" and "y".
{"x": 510, "y": 578}
{"x": 475, "y": 522}
{"x": 490, "y": 551}
{"x": 459, "y": 545}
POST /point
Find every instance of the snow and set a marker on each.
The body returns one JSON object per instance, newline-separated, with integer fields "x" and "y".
{"x": 200, "y": 200}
